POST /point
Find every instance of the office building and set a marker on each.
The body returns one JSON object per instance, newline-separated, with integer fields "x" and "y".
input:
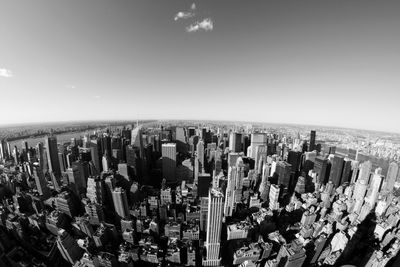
{"x": 336, "y": 171}
{"x": 235, "y": 142}
{"x": 312, "y": 146}
{"x": 214, "y": 226}
{"x": 52, "y": 155}
{"x": 68, "y": 247}
{"x": 283, "y": 169}
{"x": 169, "y": 162}
{"x": 391, "y": 176}
{"x": 120, "y": 202}
{"x": 257, "y": 139}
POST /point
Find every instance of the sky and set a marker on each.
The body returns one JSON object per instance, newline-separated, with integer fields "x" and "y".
{"x": 332, "y": 63}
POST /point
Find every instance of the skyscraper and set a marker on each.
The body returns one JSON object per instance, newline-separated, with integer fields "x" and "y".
{"x": 68, "y": 247}
{"x": 391, "y": 176}
{"x": 312, "y": 141}
{"x": 137, "y": 140}
{"x": 52, "y": 155}
{"x": 234, "y": 186}
{"x": 336, "y": 171}
{"x": 346, "y": 173}
{"x": 120, "y": 202}
{"x": 200, "y": 154}
{"x": 169, "y": 162}
{"x": 40, "y": 180}
{"x": 256, "y": 140}
{"x": 214, "y": 226}
{"x": 283, "y": 169}
{"x": 320, "y": 167}
{"x": 235, "y": 142}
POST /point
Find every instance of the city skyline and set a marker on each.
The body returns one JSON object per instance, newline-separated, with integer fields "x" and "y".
{"x": 309, "y": 62}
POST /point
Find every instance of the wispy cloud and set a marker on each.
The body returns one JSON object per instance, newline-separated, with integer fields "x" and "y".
{"x": 6, "y": 73}
{"x": 183, "y": 15}
{"x": 206, "y": 25}
{"x": 97, "y": 96}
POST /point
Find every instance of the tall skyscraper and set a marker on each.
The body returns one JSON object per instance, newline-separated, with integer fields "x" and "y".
{"x": 256, "y": 140}
{"x": 214, "y": 226}
{"x": 347, "y": 170}
{"x": 312, "y": 141}
{"x": 137, "y": 140}
{"x": 391, "y": 176}
{"x": 336, "y": 171}
{"x": 283, "y": 169}
{"x": 294, "y": 158}
{"x": 52, "y": 155}
{"x": 200, "y": 155}
{"x": 40, "y": 180}
{"x": 168, "y": 151}
{"x": 234, "y": 186}
{"x": 365, "y": 171}
{"x": 320, "y": 167}
{"x": 235, "y": 142}
{"x": 68, "y": 247}
{"x": 120, "y": 202}
{"x": 95, "y": 191}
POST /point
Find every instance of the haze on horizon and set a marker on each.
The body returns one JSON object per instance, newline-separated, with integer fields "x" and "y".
{"x": 332, "y": 63}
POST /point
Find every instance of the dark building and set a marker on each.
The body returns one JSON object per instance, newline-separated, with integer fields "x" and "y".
{"x": 294, "y": 158}
{"x": 203, "y": 184}
{"x": 321, "y": 168}
{"x": 235, "y": 142}
{"x": 312, "y": 141}
{"x": 283, "y": 169}
{"x": 52, "y": 155}
{"x": 346, "y": 174}
{"x": 336, "y": 171}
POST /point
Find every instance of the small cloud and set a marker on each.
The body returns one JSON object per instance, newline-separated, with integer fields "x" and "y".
{"x": 183, "y": 15}
{"x": 97, "y": 96}
{"x": 206, "y": 25}
{"x": 6, "y": 73}
{"x": 193, "y": 6}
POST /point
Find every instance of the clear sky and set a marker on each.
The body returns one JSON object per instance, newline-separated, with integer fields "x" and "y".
{"x": 334, "y": 63}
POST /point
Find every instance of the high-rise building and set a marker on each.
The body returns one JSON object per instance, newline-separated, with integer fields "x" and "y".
{"x": 234, "y": 186}
{"x": 274, "y": 197}
{"x": 68, "y": 247}
{"x": 283, "y": 169}
{"x": 235, "y": 142}
{"x": 391, "y": 176}
{"x": 320, "y": 167}
{"x": 95, "y": 190}
{"x": 214, "y": 226}
{"x": 260, "y": 158}
{"x": 336, "y": 171}
{"x": 137, "y": 140}
{"x": 256, "y": 140}
{"x": 52, "y": 155}
{"x": 347, "y": 170}
{"x": 365, "y": 171}
{"x": 292, "y": 254}
{"x": 120, "y": 202}
{"x": 200, "y": 155}
{"x": 312, "y": 141}
{"x": 169, "y": 162}
{"x": 375, "y": 188}
{"x": 294, "y": 158}
{"x": 40, "y": 180}
{"x": 65, "y": 204}
{"x": 203, "y": 184}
